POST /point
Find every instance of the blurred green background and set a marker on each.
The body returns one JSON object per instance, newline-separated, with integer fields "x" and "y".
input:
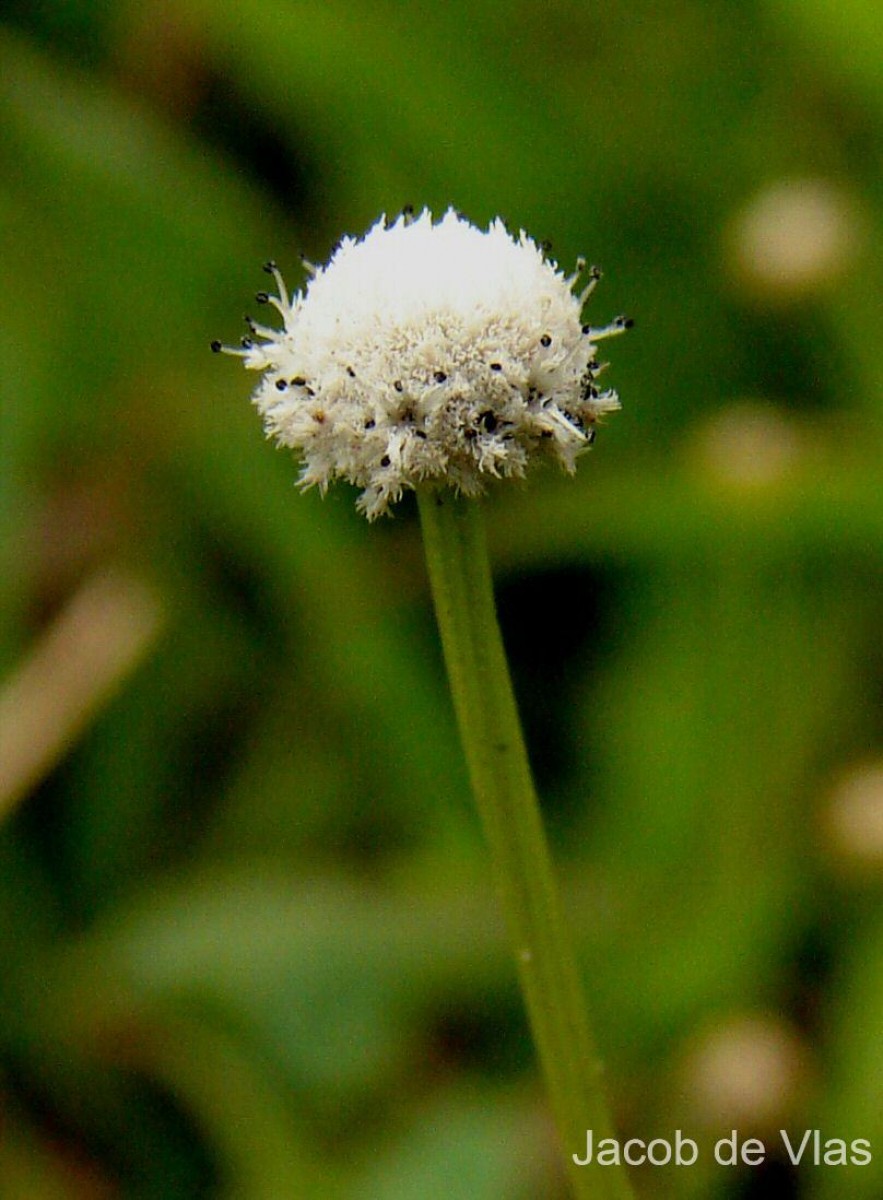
{"x": 249, "y": 946}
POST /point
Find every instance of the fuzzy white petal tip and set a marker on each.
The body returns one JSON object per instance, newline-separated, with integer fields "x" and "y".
{"x": 430, "y": 352}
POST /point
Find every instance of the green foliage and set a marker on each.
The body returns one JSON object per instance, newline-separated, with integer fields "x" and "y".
{"x": 249, "y": 947}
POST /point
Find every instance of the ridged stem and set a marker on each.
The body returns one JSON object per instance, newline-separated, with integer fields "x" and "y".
{"x": 490, "y": 730}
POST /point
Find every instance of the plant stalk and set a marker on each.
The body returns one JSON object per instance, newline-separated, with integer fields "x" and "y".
{"x": 490, "y": 730}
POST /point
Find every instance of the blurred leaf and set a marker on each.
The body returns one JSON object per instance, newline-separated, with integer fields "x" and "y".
{"x": 850, "y": 40}
{"x": 850, "y": 1108}
{"x": 467, "y": 1146}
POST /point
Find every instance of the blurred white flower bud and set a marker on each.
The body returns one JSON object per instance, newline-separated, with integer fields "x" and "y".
{"x": 748, "y": 445}
{"x": 795, "y": 236}
{"x": 748, "y": 1071}
{"x": 852, "y": 821}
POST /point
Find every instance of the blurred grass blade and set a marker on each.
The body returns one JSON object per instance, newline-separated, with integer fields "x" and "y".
{"x": 91, "y": 648}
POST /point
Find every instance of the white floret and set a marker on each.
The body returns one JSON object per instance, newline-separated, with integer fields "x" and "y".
{"x": 430, "y": 352}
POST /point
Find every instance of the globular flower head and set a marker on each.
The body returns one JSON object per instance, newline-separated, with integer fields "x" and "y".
{"x": 430, "y": 352}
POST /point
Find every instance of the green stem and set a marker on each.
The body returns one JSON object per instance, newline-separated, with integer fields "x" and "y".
{"x": 456, "y": 552}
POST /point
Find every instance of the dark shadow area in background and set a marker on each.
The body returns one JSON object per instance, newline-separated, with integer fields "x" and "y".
{"x": 142, "y": 1136}
{"x": 556, "y": 626}
{"x": 772, "y": 1180}
{"x": 238, "y": 130}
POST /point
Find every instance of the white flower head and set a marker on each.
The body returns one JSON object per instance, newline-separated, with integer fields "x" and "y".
{"x": 430, "y": 352}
